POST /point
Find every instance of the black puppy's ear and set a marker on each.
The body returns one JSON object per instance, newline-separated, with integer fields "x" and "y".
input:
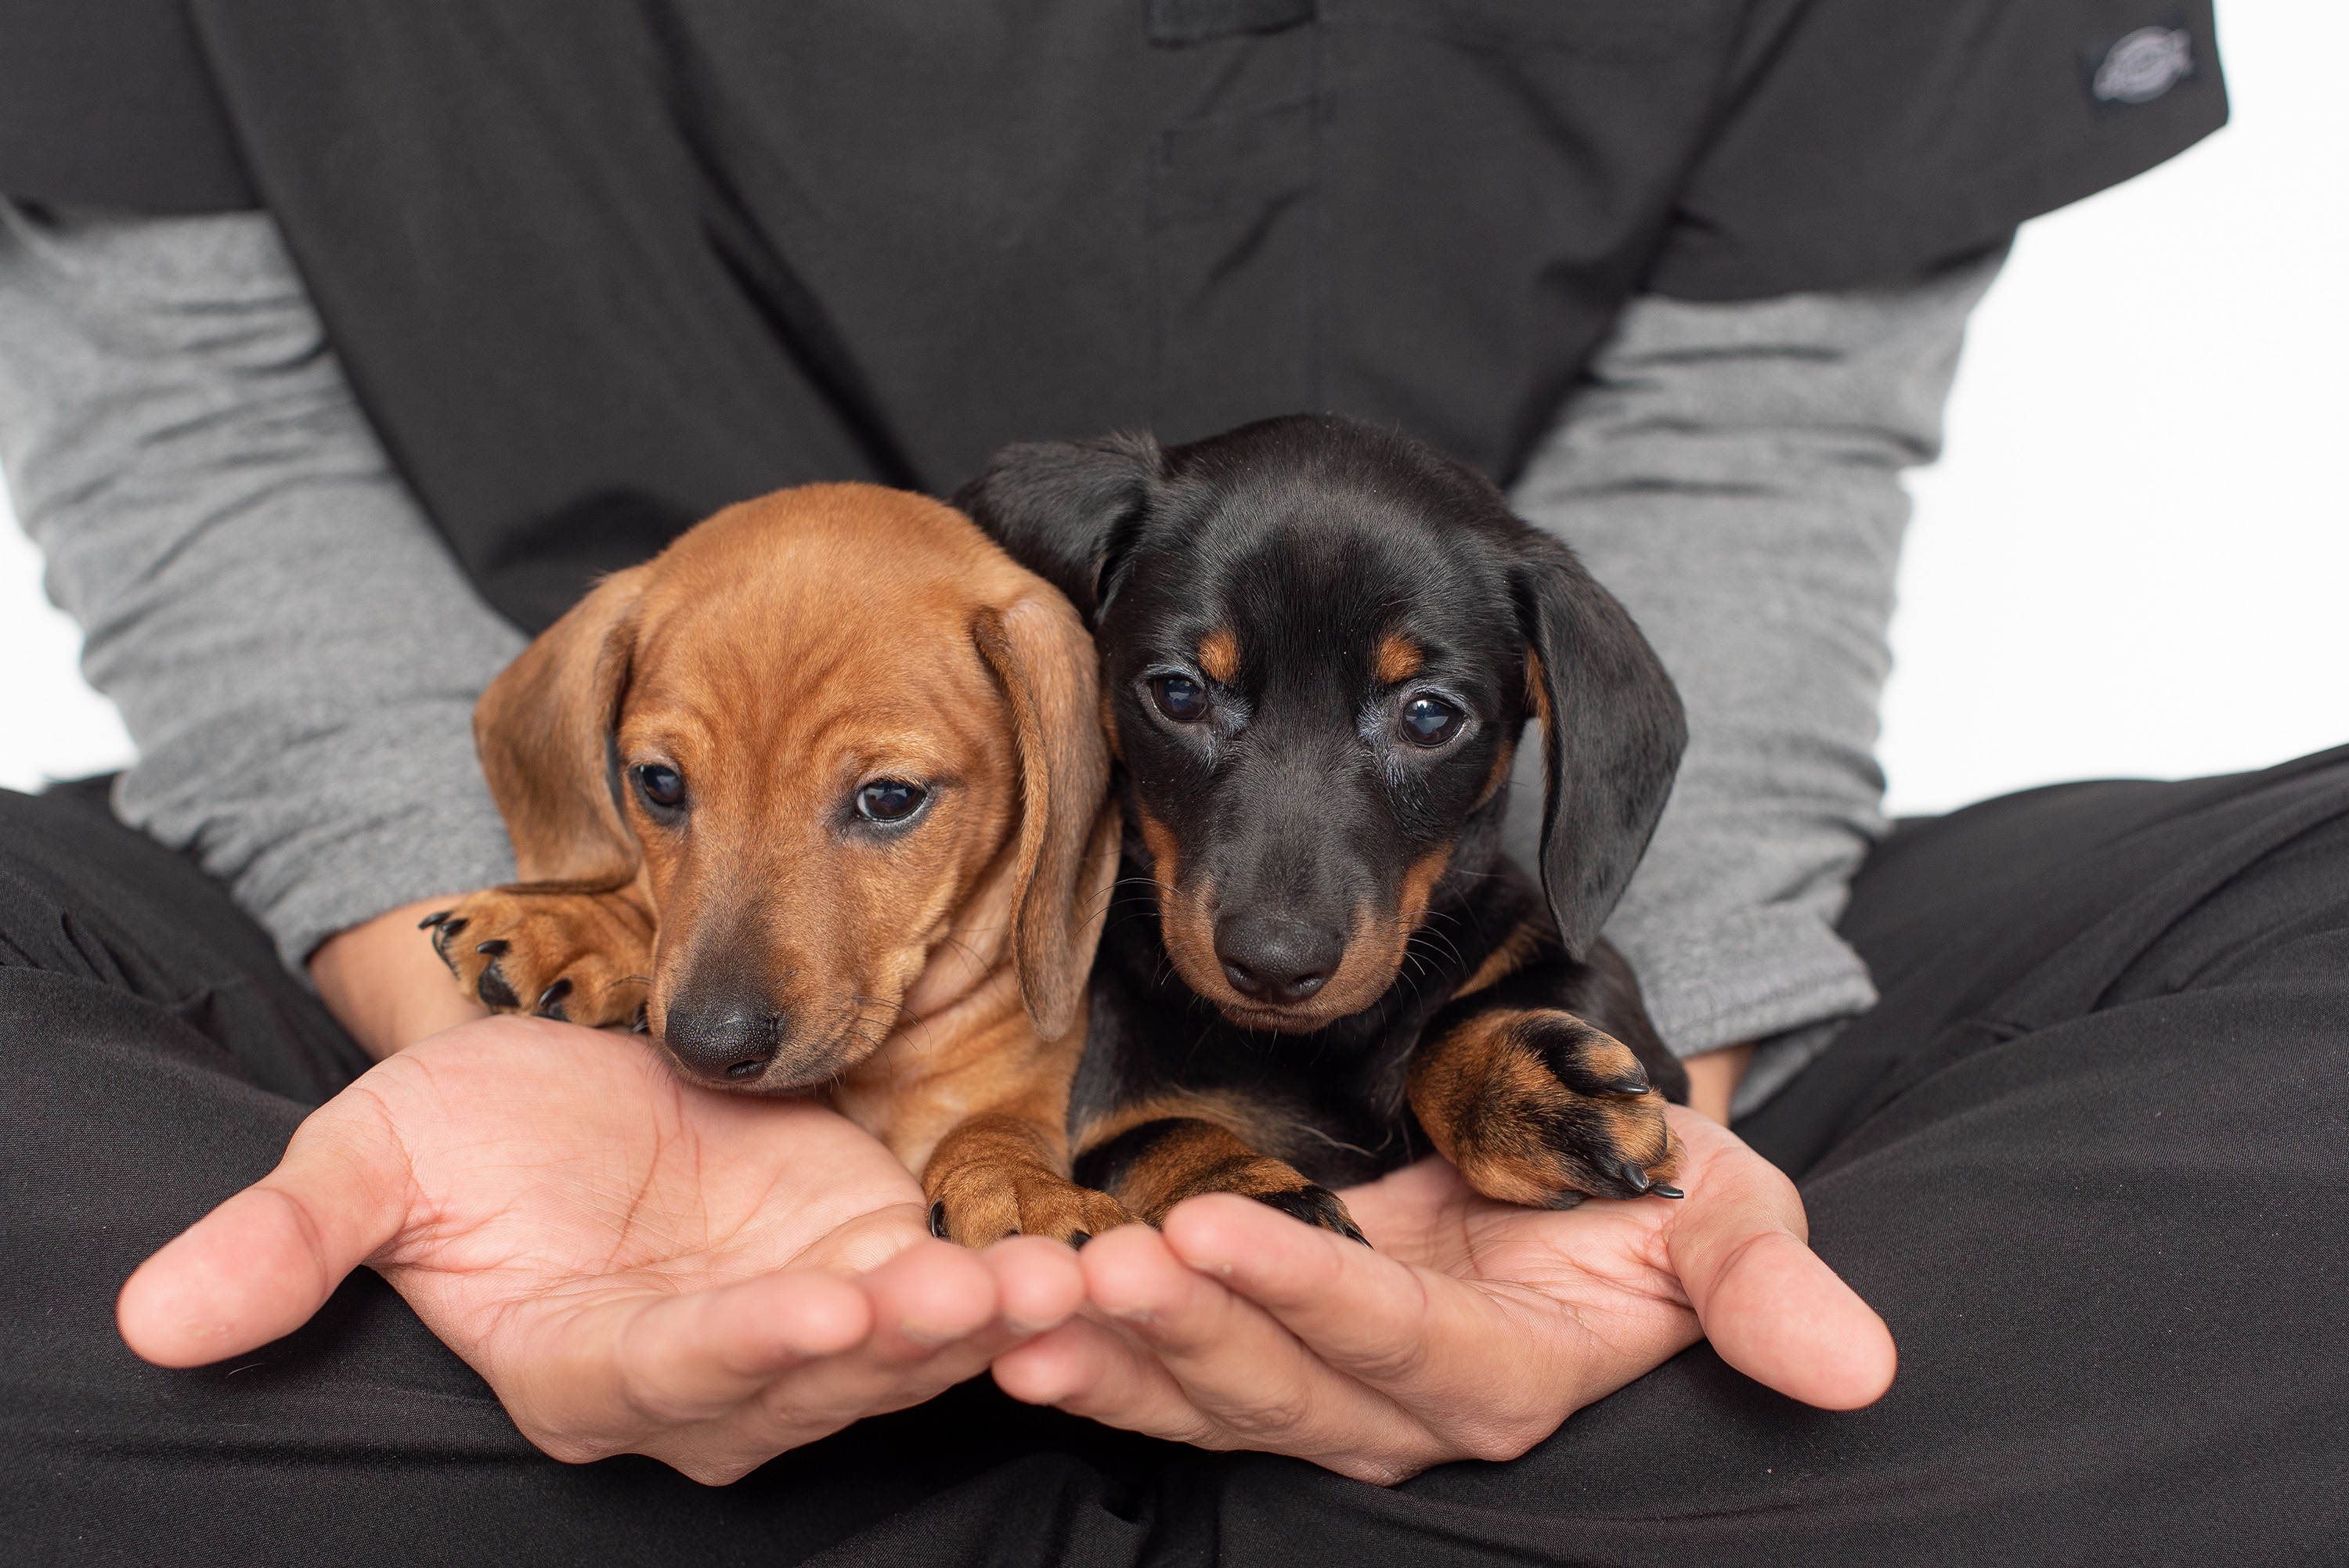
{"x": 1612, "y": 731}
{"x": 1067, "y": 511}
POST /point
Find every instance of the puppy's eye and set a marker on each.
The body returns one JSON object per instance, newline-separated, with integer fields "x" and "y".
{"x": 889, "y": 801}
{"x": 1427, "y": 722}
{"x": 661, "y": 786}
{"x": 1180, "y": 698}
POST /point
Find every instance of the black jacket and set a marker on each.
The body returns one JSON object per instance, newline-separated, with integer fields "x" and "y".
{"x": 597, "y": 267}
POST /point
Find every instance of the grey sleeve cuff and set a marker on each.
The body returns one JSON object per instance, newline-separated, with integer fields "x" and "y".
{"x": 1732, "y": 473}
{"x": 294, "y": 650}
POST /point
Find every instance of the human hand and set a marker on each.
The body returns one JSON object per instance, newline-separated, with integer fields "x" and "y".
{"x": 1472, "y": 1333}
{"x": 635, "y": 1265}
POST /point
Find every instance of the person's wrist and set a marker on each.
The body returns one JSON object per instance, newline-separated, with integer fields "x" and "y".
{"x": 384, "y": 983}
{"x": 1714, "y": 1077}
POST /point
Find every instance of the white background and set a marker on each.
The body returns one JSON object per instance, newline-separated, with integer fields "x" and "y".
{"x": 2133, "y": 559}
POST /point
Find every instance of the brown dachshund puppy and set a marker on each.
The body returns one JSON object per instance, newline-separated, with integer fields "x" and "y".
{"x": 818, "y": 797}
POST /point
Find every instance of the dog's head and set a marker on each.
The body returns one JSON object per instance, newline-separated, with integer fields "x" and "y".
{"x": 849, "y": 751}
{"x": 1319, "y": 645}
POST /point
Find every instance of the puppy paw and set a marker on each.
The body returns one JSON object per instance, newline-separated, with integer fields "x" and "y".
{"x": 978, "y": 1203}
{"x": 583, "y": 957}
{"x": 1156, "y": 1165}
{"x": 1537, "y": 1107}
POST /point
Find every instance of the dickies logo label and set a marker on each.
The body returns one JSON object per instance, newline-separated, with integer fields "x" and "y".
{"x": 2139, "y": 66}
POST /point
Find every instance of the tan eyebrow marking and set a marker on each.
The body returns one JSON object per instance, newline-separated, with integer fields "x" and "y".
{"x": 1219, "y": 656}
{"x": 1399, "y": 658}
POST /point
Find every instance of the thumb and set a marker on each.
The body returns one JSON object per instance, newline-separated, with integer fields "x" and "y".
{"x": 1771, "y": 1307}
{"x": 255, "y": 1268}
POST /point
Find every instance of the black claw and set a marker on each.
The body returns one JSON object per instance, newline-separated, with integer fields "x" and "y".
{"x": 939, "y": 1221}
{"x": 495, "y": 990}
{"x": 1315, "y": 1206}
{"x": 1079, "y": 1238}
{"x": 550, "y": 1001}
{"x": 430, "y": 921}
{"x": 1664, "y": 1190}
{"x": 1633, "y": 1177}
{"x": 1638, "y": 1083}
{"x": 495, "y": 946}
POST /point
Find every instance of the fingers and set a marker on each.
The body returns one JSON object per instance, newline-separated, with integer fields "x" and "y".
{"x": 1359, "y": 1310}
{"x": 255, "y": 1268}
{"x": 1477, "y": 1376}
{"x": 1771, "y": 1307}
{"x": 1191, "y": 1360}
{"x": 691, "y": 1358}
{"x": 1089, "y": 1368}
{"x": 718, "y": 1382}
{"x": 1781, "y": 1316}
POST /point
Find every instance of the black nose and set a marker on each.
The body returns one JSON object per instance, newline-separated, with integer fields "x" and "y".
{"x": 723, "y": 1039}
{"x": 1275, "y": 960}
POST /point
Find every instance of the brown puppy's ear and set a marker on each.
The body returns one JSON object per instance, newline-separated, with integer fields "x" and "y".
{"x": 1067, "y": 511}
{"x": 1039, "y": 650}
{"x": 545, "y": 732}
{"x": 1612, "y": 731}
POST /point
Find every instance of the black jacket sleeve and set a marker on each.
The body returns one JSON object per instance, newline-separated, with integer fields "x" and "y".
{"x": 1860, "y": 139}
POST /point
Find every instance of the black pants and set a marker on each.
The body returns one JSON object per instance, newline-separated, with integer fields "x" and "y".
{"x": 2089, "y": 1157}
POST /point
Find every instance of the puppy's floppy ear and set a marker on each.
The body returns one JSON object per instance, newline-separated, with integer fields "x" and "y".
{"x": 1067, "y": 511}
{"x": 545, "y": 732}
{"x": 1612, "y": 731}
{"x": 1068, "y": 830}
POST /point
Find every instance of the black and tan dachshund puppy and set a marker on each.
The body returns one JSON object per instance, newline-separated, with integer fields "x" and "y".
{"x": 1321, "y": 643}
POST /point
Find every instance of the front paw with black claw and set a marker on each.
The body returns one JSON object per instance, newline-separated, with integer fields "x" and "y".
{"x": 979, "y": 1203}
{"x": 576, "y": 958}
{"x": 1537, "y": 1107}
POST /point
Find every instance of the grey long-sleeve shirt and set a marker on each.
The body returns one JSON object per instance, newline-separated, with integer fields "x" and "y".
{"x": 1732, "y": 473}
{"x": 296, "y": 654}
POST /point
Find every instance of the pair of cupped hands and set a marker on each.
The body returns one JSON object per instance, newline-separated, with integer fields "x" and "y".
{"x": 641, "y": 1266}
